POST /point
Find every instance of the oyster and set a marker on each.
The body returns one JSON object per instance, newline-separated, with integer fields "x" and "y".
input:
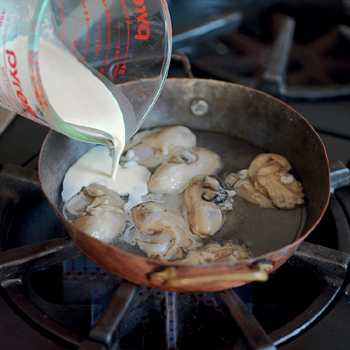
{"x": 246, "y": 189}
{"x": 231, "y": 179}
{"x": 173, "y": 177}
{"x": 270, "y": 162}
{"x": 99, "y": 212}
{"x": 204, "y": 203}
{"x": 215, "y": 253}
{"x": 163, "y": 142}
{"x": 284, "y": 191}
{"x": 268, "y": 183}
{"x": 162, "y": 234}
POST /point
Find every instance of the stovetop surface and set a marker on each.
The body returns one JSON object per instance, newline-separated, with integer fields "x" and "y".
{"x": 291, "y": 294}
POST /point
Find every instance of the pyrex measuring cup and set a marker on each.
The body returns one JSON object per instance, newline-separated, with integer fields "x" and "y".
{"x": 119, "y": 41}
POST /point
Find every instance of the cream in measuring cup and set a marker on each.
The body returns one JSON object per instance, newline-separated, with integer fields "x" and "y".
{"x": 64, "y": 64}
{"x": 76, "y": 95}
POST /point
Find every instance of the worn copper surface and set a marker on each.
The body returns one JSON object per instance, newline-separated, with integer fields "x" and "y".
{"x": 233, "y": 109}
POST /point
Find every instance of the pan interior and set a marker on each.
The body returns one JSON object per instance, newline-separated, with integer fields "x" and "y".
{"x": 265, "y": 230}
{"x": 239, "y": 124}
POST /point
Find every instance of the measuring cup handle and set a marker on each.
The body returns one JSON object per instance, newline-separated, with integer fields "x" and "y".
{"x": 186, "y": 65}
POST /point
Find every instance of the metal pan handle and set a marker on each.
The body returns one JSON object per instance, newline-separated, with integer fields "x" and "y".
{"x": 258, "y": 272}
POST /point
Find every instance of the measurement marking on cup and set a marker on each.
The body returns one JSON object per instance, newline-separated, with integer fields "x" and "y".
{"x": 118, "y": 46}
{"x": 109, "y": 40}
{"x": 117, "y": 51}
{"x": 108, "y": 16}
{"x": 86, "y": 13}
{"x": 63, "y": 27}
{"x": 62, "y": 12}
{"x": 98, "y": 32}
{"x": 126, "y": 13}
{"x": 87, "y": 38}
{"x": 75, "y": 42}
{"x": 98, "y": 38}
{"x": 127, "y": 47}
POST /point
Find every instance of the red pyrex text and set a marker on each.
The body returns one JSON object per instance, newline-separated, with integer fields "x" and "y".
{"x": 144, "y": 25}
{"x": 12, "y": 61}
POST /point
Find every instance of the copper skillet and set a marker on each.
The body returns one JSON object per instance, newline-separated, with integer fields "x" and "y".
{"x": 233, "y": 111}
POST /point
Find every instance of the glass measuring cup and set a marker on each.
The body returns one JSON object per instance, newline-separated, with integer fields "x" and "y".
{"x": 118, "y": 41}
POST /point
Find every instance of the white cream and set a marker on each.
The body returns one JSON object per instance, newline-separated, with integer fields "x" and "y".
{"x": 77, "y": 96}
{"x": 95, "y": 167}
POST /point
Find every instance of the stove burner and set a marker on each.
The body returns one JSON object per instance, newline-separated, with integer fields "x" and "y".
{"x": 82, "y": 305}
{"x": 286, "y": 68}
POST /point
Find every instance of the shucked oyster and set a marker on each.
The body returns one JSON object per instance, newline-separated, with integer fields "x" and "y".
{"x": 99, "y": 212}
{"x": 215, "y": 253}
{"x": 246, "y": 189}
{"x": 204, "y": 202}
{"x": 162, "y": 234}
{"x": 268, "y": 183}
{"x": 270, "y": 162}
{"x": 162, "y": 142}
{"x": 173, "y": 176}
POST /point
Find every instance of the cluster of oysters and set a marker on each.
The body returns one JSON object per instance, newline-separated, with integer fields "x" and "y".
{"x": 180, "y": 169}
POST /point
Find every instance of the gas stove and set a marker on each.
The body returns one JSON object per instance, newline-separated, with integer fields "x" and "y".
{"x": 53, "y": 297}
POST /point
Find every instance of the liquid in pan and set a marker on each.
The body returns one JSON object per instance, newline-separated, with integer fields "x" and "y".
{"x": 181, "y": 195}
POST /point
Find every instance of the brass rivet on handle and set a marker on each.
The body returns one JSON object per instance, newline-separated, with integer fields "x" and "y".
{"x": 262, "y": 265}
{"x": 161, "y": 277}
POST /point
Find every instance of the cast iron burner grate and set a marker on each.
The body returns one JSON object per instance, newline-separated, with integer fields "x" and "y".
{"x": 79, "y": 305}
{"x": 279, "y": 57}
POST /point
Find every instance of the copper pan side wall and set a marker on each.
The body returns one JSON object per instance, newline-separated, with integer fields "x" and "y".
{"x": 235, "y": 110}
{"x": 137, "y": 269}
